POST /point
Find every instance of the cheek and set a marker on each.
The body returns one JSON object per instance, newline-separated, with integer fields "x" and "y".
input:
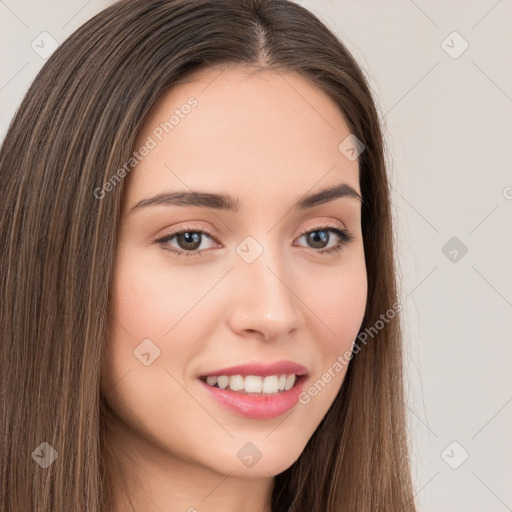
{"x": 338, "y": 308}
{"x": 343, "y": 310}
{"x": 142, "y": 309}
{"x": 152, "y": 301}
{"x": 337, "y": 305}
{"x": 146, "y": 305}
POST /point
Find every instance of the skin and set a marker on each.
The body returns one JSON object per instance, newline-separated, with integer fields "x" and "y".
{"x": 267, "y": 138}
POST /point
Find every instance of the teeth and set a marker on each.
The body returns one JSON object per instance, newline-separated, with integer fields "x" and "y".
{"x": 223, "y": 382}
{"x": 290, "y": 381}
{"x": 253, "y": 384}
{"x": 236, "y": 383}
{"x": 271, "y": 384}
{"x": 211, "y": 380}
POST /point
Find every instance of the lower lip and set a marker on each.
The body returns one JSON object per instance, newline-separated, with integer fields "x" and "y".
{"x": 254, "y": 406}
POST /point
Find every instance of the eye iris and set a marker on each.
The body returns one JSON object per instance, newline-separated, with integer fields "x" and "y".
{"x": 324, "y": 238}
{"x": 188, "y": 238}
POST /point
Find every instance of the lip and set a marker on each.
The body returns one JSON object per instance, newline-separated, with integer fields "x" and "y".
{"x": 254, "y": 406}
{"x": 261, "y": 369}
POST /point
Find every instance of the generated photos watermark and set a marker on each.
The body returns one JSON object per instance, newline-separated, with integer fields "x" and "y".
{"x": 343, "y": 360}
{"x": 151, "y": 142}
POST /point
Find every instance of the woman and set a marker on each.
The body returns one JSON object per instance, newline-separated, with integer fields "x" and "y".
{"x": 198, "y": 282}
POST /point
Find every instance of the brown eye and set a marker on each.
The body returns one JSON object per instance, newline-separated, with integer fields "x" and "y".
{"x": 318, "y": 239}
{"x": 187, "y": 242}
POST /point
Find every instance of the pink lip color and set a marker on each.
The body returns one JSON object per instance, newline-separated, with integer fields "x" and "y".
{"x": 261, "y": 369}
{"x": 254, "y": 406}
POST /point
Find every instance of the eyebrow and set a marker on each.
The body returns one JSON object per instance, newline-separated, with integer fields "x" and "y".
{"x": 227, "y": 202}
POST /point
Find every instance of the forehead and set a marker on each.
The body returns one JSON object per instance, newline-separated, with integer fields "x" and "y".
{"x": 258, "y": 135}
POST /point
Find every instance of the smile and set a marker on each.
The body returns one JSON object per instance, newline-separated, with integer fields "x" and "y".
{"x": 253, "y": 384}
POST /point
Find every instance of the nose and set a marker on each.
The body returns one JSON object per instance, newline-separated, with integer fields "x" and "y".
{"x": 264, "y": 300}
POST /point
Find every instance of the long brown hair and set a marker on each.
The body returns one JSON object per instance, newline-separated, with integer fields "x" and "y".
{"x": 75, "y": 127}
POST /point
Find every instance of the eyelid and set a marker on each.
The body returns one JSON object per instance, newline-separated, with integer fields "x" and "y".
{"x": 176, "y": 230}
{"x": 323, "y": 225}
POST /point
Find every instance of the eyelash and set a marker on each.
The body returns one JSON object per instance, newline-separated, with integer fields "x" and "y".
{"x": 344, "y": 238}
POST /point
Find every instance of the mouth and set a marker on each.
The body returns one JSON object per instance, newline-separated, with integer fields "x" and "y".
{"x": 257, "y": 385}
{"x": 252, "y": 396}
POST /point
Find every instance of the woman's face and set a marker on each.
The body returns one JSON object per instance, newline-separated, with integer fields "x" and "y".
{"x": 245, "y": 285}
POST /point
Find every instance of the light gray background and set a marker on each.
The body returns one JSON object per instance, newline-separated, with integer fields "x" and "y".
{"x": 448, "y": 125}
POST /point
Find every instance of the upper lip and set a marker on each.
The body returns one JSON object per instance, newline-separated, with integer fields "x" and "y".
{"x": 260, "y": 368}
